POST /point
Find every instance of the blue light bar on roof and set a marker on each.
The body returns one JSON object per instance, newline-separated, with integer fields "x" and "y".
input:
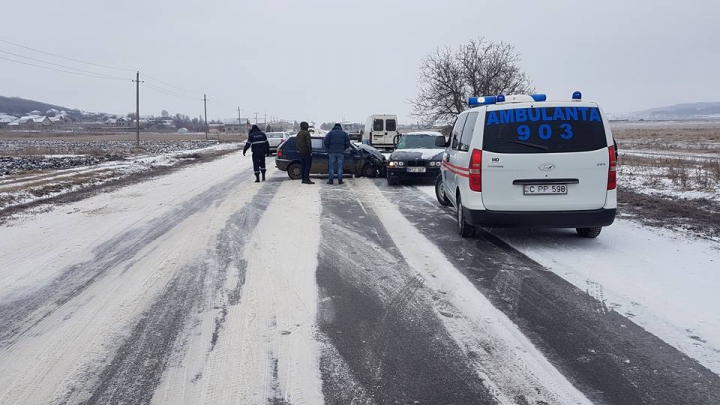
{"x": 577, "y": 96}
{"x": 501, "y": 98}
{"x": 539, "y": 97}
{"x": 480, "y": 101}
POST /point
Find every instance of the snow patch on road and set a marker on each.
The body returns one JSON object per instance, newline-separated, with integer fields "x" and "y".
{"x": 268, "y": 350}
{"x": 504, "y": 358}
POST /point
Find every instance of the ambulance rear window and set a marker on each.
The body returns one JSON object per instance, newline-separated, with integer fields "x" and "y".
{"x": 544, "y": 130}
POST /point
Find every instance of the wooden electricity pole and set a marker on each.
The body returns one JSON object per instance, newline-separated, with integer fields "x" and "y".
{"x": 206, "y": 124}
{"x": 137, "y": 110}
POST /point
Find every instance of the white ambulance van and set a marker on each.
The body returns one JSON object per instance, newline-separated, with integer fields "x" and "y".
{"x": 522, "y": 161}
{"x": 381, "y": 131}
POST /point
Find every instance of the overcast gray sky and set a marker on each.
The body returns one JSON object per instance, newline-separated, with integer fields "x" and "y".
{"x": 322, "y": 60}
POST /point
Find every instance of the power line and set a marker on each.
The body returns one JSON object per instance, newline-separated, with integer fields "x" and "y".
{"x": 164, "y": 91}
{"x": 66, "y": 67}
{"x": 167, "y": 84}
{"x": 60, "y": 70}
{"x": 65, "y": 57}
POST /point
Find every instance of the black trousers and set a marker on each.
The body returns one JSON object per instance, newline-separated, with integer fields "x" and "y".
{"x": 306, "y": 162}
{"x": 258, "y": 162}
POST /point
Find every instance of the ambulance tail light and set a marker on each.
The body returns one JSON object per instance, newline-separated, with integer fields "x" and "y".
{"x": 612, "y": 170}
{"x": 476, "y": 170}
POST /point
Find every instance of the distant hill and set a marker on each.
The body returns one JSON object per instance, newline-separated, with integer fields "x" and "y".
{"x": 689, "y": 111}
{"x": 19, "y": 106}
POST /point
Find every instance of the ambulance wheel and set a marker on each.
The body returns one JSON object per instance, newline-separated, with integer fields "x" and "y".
{"x": 589, "y": 232}
{"x": 295, "y": 171}
{"x": 464, "y": 229}
{"x": 440, "y": 192}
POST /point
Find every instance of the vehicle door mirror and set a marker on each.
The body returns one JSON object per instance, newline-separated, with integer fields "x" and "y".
{"x": 440, "y": 142}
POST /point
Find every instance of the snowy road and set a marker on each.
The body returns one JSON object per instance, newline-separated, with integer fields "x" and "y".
{"x": 201, "y": 287}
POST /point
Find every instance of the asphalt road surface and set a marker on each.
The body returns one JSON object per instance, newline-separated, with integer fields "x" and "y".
{"x": 202, "y": 287}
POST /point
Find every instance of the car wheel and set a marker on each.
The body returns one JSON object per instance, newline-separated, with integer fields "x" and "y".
{"x": 589, "y": 232}
{"x": 440, "y": 191}
{"x": 295, "y": 171}
{"x": 464, "y": 229}
{"x": 369, "y": 171}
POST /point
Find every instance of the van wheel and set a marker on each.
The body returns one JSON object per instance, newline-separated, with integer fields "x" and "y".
{"x": 295, "y": 171}
{"x": 464, "y": 229}
{"x": 589, "y": 232}
{"x": 440, "y": 192}
{"x": 369, "y": 171}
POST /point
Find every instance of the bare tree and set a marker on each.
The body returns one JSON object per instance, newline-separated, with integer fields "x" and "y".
{"x": 479, "y": 68}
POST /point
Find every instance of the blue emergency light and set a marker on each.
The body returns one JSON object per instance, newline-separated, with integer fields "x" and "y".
{"x": 480, "y": 101}
{"x": 501, "y": 98}
{"x": 577, "y": 96}
{"x": 539, "y": 97}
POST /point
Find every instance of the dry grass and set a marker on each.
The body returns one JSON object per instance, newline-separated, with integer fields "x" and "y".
{"x": 687, "y": 174}
{"x": 699, "y": 138}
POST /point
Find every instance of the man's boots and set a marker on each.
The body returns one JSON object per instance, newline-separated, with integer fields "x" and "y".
{"x": 257, "y": 178}
{"x": 263, "y": 175}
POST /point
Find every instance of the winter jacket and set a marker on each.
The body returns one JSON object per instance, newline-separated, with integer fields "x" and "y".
{"x": 304, "y": 142}
{"x": 337, "y": 140}
{"x": 258, "y": 141}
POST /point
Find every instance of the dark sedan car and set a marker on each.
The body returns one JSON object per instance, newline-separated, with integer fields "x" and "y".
{"x": 359, "y": 160}
{"x": 417, "y": 157}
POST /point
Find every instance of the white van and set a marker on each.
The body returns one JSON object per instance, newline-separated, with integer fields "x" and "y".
{"x": 381, "y": 131}
{"x": 520, "y": 161}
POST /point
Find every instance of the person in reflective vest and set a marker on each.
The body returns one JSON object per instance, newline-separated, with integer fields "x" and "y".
{"x": 260, "y": 149}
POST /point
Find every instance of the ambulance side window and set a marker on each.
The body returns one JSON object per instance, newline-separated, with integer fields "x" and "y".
{"x": 468, "y": 131}
{"x": 457, "y": 131}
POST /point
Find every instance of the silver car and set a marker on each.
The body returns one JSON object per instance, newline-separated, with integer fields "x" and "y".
{"x": 275, "y": 139}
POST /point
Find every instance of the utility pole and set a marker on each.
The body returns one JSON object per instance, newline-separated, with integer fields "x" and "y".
{"x": 256, "y": 118}
{"x": 206, "y": 124}
{"x": 137, "y": 109}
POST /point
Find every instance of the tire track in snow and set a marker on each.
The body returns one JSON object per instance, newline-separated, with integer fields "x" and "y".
{"x": 20, "y": 315}
{"x": 267, "y": 352}
{"x": 376, "y": 315}
{"x": 135, "y": 371}
{"x": 607, "y": 356}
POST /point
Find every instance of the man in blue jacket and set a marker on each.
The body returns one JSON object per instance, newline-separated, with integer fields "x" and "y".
{"x": 260, "y": 149}
{"x": 336, "y": 141}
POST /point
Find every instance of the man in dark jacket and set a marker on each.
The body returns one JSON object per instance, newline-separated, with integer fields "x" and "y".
{"x": 336, "y": 141}
{"x": 304, "y": 146}
{"x": 260, "y": 148}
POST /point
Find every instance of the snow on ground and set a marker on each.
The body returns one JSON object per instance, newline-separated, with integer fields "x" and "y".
{"x": 662, "y": 280}
{"x": 20, "y": 188}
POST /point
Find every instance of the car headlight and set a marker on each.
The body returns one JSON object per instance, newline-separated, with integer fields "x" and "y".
{"x": 391, "y": 164}
{"x": 401, "y": 164}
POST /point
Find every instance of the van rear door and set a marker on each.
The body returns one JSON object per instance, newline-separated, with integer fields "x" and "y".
{"x": 549, "y": 157}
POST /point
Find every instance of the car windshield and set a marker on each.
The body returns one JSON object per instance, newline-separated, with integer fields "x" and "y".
{"x": 425, "y": 141}
{"x": 276, "y": 134}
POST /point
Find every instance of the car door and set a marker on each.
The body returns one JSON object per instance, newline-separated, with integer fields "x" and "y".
{"x": 451, "y": 172}
{"x": 320, "y": 157}
{"x": 351, "y": 160}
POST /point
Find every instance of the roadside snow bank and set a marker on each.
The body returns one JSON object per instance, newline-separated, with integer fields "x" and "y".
{"x": 665, "y": 283}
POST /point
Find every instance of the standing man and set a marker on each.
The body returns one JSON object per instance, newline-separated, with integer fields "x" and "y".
{"x": 260, "y": 148}
{"x": 336, "y": 141}
{"x": 304, "y": 146}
